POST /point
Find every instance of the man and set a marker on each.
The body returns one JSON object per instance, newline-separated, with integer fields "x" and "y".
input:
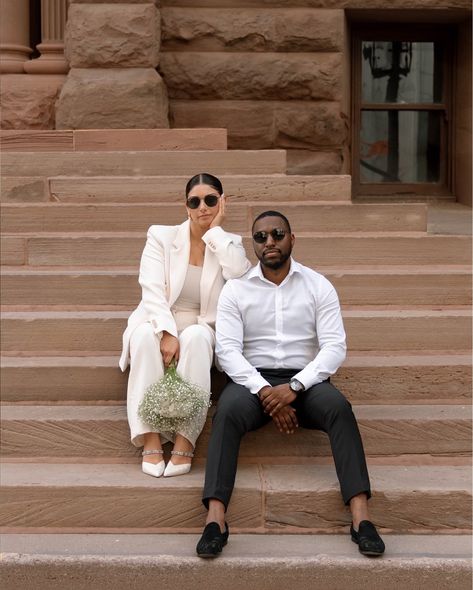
{"x": 280, "y": 337}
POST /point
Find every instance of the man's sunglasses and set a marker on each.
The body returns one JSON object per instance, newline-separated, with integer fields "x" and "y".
{"x": 260, "y": 237}
{"x": 209, "y": 200}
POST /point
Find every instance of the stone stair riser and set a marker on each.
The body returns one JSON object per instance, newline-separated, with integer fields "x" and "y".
{"x": 106, "y": 434}
{"x": 263, "y": 500}
{"x": 124, "y": 217}
{"x": 113, "y": 139}
{"x": 125, "y": 250}
{"x": 168, "y": 189}
{"x": 267, "y": 572}
{"x": 103, "y": 332}
{"x": 218, "y": 162}
{"x": 121, "y": 288}
{"x": 93, "y": 380}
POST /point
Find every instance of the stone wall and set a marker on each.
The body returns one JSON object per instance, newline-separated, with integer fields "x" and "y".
{"x": 272, "y": 77}
{"x": 113, "y": 49}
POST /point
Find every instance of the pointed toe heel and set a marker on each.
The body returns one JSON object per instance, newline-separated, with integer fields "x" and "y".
{"x": 153, "y": 469}
{"x": 173, "y": 470}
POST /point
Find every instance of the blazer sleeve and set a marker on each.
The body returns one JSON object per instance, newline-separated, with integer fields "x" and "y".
{"x": 152, "y": 279}
{"x": 229, "y": 251}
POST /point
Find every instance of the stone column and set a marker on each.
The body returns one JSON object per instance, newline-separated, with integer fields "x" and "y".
{"x": 53, "y": 22}
{"x": 14, "y": 35}
{"x": 113, "y": 50}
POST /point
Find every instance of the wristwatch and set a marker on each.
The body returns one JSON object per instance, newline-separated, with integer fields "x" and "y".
{"x": 296, "y": 386}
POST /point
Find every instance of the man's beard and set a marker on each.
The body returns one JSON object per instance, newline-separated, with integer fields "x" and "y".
{"x": 275, "y": 264}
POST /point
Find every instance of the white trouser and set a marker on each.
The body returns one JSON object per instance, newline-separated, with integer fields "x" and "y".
{"x": 196, "y": 344}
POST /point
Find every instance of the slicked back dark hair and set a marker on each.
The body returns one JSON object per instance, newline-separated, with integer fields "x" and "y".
{"x": 272, "y": 214}
{"x": 204, "y": 178}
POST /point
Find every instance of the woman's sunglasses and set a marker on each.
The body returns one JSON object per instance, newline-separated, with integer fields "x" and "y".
{"x": 209, "y": 200}
{"x": 260, "y": 237}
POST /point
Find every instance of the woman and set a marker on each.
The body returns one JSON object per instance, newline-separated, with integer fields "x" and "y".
{"x": 182, "y": 271}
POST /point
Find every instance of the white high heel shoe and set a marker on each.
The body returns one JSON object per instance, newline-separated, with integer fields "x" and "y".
{"x": 172, "y": 470}
{"x": 155, "y": 470}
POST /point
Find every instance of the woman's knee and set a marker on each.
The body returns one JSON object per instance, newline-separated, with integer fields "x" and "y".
{"x": 143, "y": 337}
{"x": 196, "y": 337}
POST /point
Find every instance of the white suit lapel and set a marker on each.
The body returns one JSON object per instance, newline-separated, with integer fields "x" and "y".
{"x": 178, "y": 261}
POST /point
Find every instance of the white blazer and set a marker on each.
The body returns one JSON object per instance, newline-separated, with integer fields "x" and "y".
{"x": 163, "y": 271}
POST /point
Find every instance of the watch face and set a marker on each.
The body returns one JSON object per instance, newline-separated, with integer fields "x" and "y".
{"x": 295, "y": 386}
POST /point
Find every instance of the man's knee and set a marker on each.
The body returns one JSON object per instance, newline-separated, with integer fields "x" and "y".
{"x": 325, "y": 399}
{"x": 237, "y": 406}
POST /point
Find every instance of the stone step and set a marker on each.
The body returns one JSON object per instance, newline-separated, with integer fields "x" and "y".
{"x": 134, "y": 163}
{"x": 81, "y": 140}
{"x": 406, "y": 379}
{"x": 119, "y": 217}
{"x": 416, "y": 285}
{"x": 39, "y": 332}
{"x": 312, "y": 249}
{"x": 69, "y": 497}
{"x": 262, "y": 562}
{"x": 102, "y": 432}
{"x": 152, "y": 189}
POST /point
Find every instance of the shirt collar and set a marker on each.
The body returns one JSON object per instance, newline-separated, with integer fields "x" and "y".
{"x": 256, "y": 271}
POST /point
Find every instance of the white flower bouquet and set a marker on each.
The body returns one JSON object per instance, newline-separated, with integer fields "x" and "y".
{"x": 172, "y": 401}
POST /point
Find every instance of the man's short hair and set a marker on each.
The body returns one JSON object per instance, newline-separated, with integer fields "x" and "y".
{"x": 272, "y": 214}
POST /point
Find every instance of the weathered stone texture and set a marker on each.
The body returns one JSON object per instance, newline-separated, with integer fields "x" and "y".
{"x": 261, "y": 124}
{"x": 260, "y": 76}
{"x": 238, "y": 29}
{"x": 113, "y": 98}
{"x": 28, "y": 102}
{"x": 314, "y": 162}
{"x": 108, "y": 35}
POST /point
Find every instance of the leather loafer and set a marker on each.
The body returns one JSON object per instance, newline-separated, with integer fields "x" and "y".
{"x": 367, "y": 538}
{"x": 212, "y": 541}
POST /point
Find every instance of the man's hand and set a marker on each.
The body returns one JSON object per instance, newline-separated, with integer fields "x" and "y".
{"x": 276, "y": 398}
{"x": 286, "y": 420}
{"x": 169, "y": 348}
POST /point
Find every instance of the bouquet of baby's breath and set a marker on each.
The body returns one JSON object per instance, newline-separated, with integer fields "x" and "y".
{"x": 172, "y": 401}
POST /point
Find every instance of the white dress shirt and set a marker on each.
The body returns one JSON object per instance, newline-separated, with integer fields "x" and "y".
{"x": 295, "y": 325}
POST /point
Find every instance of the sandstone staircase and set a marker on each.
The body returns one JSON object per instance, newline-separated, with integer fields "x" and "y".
{"x": 76, "y": 206}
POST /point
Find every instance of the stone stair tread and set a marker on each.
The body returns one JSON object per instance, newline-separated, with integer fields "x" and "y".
{"x": 265, "y": 562}
{"x": 242, "y": 546}
{"x": 118, "y": 413}
{"x": 350, "y": 312}
{"x": 354, "y": 359}
{"x": 390, "y": 479}
{"x": 425, "y": 269}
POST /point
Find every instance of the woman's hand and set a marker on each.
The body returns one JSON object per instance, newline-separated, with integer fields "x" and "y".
{"x": 218, "y": 219}
{"x": 169, "y": 348}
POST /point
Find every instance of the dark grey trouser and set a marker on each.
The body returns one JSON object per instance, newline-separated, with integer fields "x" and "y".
{"x": 322, "y": 407}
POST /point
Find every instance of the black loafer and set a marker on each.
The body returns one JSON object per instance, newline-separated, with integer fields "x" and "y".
{"x": 212, "y": 541}
{"x": 367, "y": 538}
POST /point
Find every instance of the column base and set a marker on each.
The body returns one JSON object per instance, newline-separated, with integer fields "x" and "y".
{"x": 51, "y": 61}
{"x": 13, "y": 57}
